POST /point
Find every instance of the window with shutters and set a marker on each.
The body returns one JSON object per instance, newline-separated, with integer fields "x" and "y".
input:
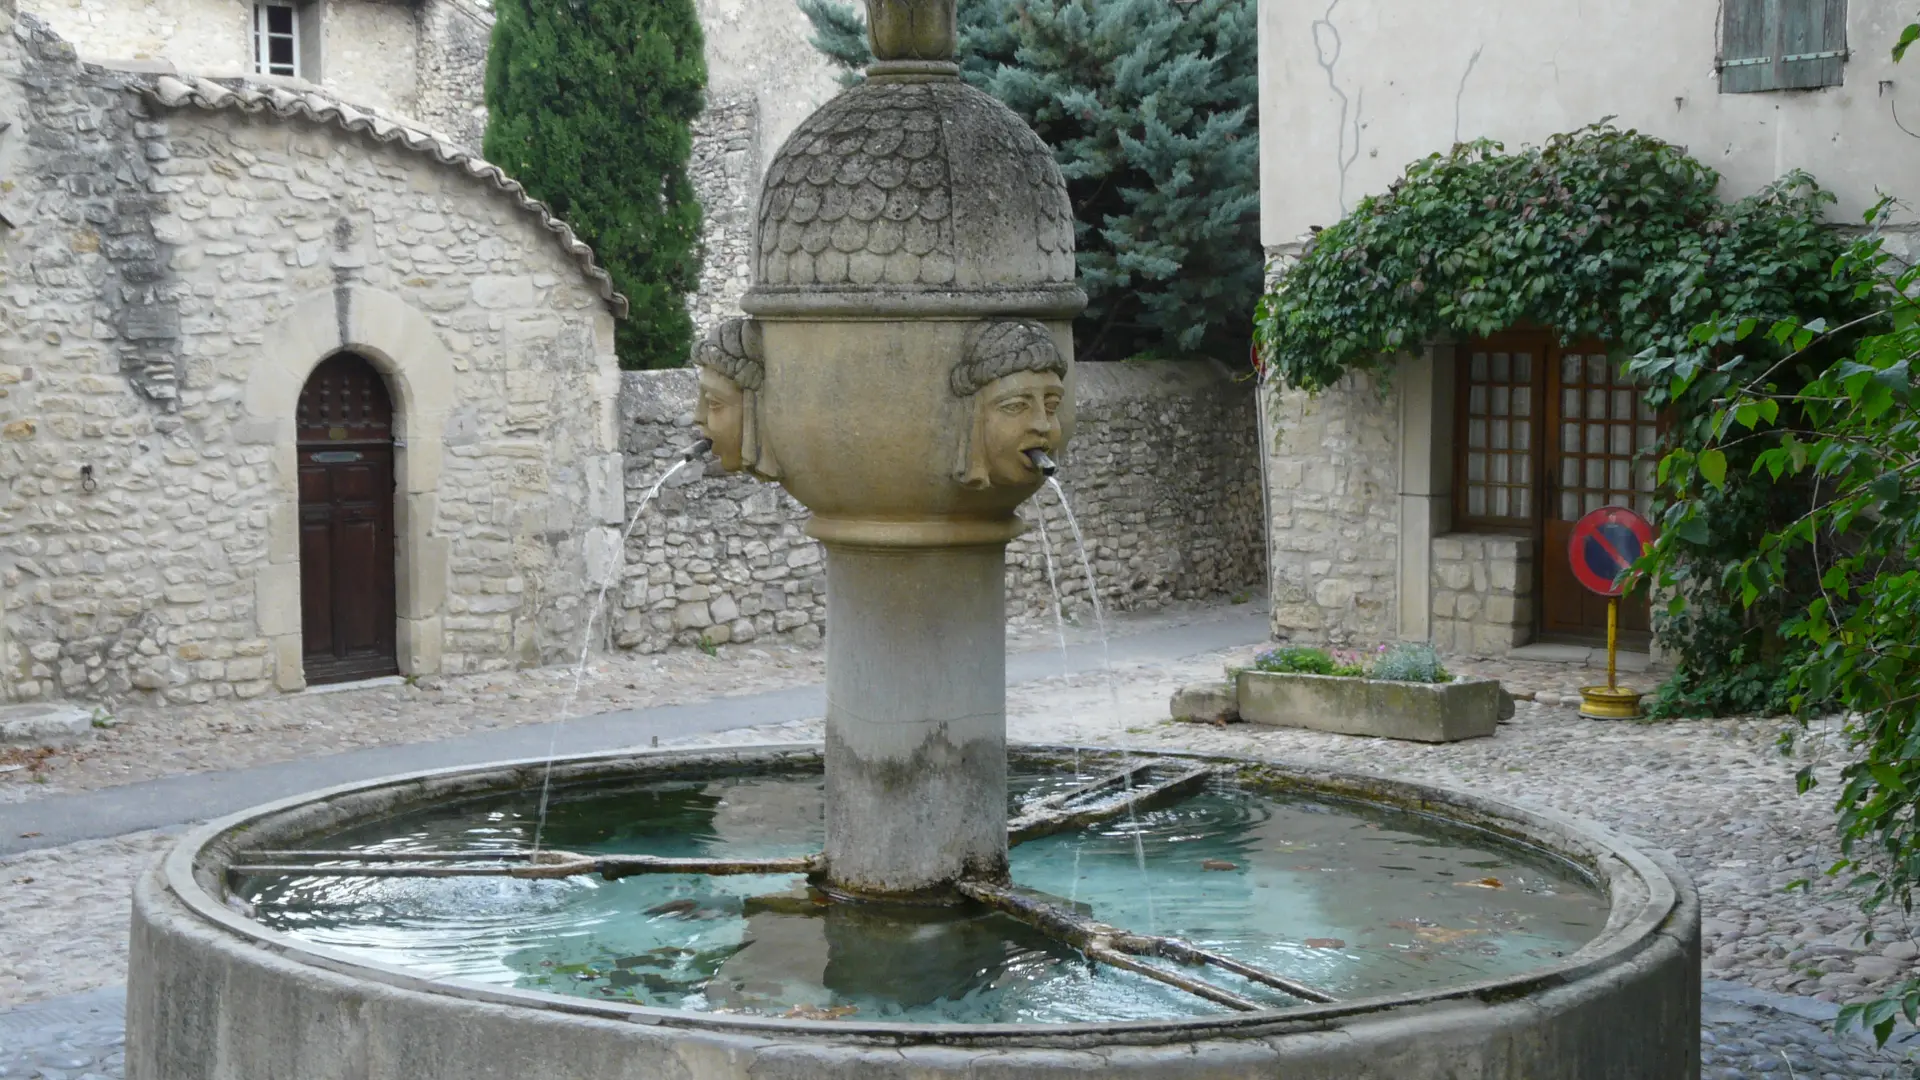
{"x": 1782, "y": 45}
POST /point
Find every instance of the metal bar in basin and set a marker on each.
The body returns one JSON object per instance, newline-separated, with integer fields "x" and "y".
{"x": 1034, "y": 824}
{"x": 1103, "y": 942}
{"x": 548, "y": 865}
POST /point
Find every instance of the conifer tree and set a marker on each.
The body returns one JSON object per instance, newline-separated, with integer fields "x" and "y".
{"x": 1151, "y": 112}
{"x": 590, "y": 104}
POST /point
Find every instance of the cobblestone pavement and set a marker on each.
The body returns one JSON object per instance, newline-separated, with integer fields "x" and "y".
{"x": 147, "y": 742}
{"x": 1719, "y": 794}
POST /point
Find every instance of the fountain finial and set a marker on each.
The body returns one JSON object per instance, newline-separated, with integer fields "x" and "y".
{"x": 912, "y": 29}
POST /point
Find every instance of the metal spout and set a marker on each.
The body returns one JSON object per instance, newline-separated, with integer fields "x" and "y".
{"x": 1042, "y": 462}
{"x": 697, "y": 449}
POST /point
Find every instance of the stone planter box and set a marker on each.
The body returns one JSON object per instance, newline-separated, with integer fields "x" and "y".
{"x": 1421, "y": 712}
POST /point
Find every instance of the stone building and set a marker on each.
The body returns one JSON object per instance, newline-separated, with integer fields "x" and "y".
{"x": 424, "y": 62}
{"x": 1437, "y": 503}
{"x": 234, "y": 303}
{"x": 233, "y": 315}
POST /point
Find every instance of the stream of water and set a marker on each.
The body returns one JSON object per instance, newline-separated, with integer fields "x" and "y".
{"x": 586, "y": 636}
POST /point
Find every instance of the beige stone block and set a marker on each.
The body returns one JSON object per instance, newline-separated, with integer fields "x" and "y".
{"x": 283, "y": 529}
{"x": 276, "y": 599}
{"x": 1455, "y": 576}
{"x": 1443, "y": 604}
{"x": 421, "y": 644}
{"x": 1467, "y": 606}
{"x": 289, "y": 668}
{"x": 1504, "y": 575}
{"x": 1491, "y": 640}
{"x": 421, "y": 576}
{"x": 1502, "y": 611}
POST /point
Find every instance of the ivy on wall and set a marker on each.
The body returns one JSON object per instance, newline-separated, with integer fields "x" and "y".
{"x": 1606, "y": 234}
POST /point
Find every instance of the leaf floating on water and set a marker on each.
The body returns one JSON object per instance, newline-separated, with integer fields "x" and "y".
{"x": 1219, "y": 864}
{"x": 1483, "y": 883}
{"x": 1443, "y": 935}
{"x": 1325, "y": 943}
{"x": 816, "y": 1012}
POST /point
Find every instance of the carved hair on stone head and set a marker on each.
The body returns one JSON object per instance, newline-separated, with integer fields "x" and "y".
{"x": 995, "y": 350}
{"x": 733, "y": 350}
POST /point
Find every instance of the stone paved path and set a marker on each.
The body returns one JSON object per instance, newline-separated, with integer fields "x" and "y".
{"x": 1718, "y": 794}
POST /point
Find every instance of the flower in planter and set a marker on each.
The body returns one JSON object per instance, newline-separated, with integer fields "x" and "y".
{"x": 1409, "y": 662}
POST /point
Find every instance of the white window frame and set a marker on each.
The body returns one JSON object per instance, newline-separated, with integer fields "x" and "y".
{"x": 262, "y": 39}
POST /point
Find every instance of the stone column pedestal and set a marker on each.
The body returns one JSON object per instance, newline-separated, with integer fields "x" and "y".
{"x": 916, "y": 718}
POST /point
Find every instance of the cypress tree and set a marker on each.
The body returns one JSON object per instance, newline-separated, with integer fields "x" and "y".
{"x": 1151, "y": 112}
{"x": 590, "y": 104}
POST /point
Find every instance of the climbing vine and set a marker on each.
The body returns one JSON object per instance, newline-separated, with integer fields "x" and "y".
{"x": 1606, "y": 234}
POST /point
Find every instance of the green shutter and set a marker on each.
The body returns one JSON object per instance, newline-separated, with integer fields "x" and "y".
{"x": 1782, "y": 45}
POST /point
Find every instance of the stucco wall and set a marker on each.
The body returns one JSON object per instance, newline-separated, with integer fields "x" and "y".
{"x": 370, "y": 54}
{"x": 1163, "y": 473}
{"x": 1353, "y": 91}
{"x": 172, "y": 278}
{"x": 204, "y": 36}
{"x": 758, "y": 49}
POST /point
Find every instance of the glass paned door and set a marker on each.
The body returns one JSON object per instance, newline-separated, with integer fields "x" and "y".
{"x": 1601, "y": 451}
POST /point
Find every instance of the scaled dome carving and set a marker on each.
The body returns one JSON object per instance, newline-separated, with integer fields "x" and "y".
{"x": 917, "y": 185}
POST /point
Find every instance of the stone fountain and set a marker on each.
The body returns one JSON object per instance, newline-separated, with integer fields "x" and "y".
{"x": 906, "y": 372}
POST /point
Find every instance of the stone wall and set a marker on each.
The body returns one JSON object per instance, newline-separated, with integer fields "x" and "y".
{"x": 204, "y": 36}
{"x": 1333, "y": 471}
{"x": 450, "y": 77}
{"x": 726, "y": 172}
{"x": 172, "y": 274}
{"x": 1163, "y": 473}
{"x": 1482, "y": 593}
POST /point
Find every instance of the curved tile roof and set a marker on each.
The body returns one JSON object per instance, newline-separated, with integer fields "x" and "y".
{"x": 308, "y": 103}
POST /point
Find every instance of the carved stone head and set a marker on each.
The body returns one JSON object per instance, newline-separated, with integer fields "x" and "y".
{"x": 731, "y": 374}
{"x": 1015, "y": 378}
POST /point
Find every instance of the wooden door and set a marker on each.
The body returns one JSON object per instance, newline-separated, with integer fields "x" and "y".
{"x": 1601, "y": 451}
{"x": 345, "y": 425}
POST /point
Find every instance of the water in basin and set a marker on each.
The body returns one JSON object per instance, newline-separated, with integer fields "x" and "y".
{"x": 1356, "y": 900}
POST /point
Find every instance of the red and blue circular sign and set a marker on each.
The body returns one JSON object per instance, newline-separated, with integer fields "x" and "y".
{"x": 1604, "y": 544}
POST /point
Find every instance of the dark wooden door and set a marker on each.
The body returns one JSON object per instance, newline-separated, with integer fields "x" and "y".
{"x": 1600, "y": 452}
{"x": 345, "y": 437}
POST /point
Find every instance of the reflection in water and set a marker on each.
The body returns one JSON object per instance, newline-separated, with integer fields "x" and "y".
{"x": 1358, "y": 901}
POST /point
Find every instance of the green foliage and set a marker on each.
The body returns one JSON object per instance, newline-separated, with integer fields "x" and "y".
{"x": 590, "y": 105}
{"x": 1846, "y": 441}
{"x": 1409, "y": 661}
{"x": 1600, "y": 234}
{"x": 1151, "y": 114}
{"x": 1295, "y": 660}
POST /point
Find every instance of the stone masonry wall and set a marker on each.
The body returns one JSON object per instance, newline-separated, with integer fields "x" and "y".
{"x": 451, "y": 73}
{"x": 1163, "y": 473}
{"x": 151, "y": 259}
{"x": 726, "y": 172}
{"x": 1333, "y": 471}
{"x": 1482, "y": 593}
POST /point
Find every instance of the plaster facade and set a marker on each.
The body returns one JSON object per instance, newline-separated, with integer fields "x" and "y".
{"x": 178, "y": 258}
{"x": 1360, "y": 88}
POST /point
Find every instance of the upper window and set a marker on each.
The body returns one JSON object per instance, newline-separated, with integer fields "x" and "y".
{"x": 276, "y": 39}
{"x": 1782, "y": 44}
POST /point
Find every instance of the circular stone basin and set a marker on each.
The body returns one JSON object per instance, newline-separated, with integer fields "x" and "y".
{"x": 1458, "y": 937}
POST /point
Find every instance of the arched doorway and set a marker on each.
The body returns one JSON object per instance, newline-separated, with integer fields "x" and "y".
{"x": 345, "y": 439}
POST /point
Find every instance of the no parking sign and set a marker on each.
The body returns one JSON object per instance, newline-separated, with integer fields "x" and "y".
{"x": 1604, "y": 544}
